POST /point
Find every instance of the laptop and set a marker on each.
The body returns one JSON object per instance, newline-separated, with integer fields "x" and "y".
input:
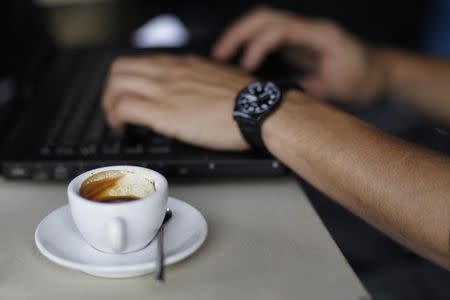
{"x": 54, "y": 128}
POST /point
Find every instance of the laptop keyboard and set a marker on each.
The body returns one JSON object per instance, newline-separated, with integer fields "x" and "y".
{"x": 79, "y": 127}
{"x": 66, "y": 122}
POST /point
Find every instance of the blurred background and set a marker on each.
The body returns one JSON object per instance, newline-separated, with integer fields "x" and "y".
{"x": 95, "y": 22}
{"x": 387, "y": 270}
{"x": 416, "y": 25}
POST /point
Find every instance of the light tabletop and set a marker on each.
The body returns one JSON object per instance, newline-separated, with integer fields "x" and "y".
{"x": 265, "y": 241}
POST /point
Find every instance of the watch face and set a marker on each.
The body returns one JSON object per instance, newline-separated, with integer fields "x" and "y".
{"x": 258, "y": 97}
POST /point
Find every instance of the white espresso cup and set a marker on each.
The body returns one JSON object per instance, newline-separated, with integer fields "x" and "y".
{"x": 119, "y": 227}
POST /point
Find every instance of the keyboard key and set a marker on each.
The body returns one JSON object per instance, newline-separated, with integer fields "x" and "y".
{"x": 64, "y": 150}
{"x": 18, "y": 172}
{"x": 158, "y": 149}
{"x": 160, "y": 140}
{"x": 45, "y": 151}
{"x": 41, "y": 174}
{"x": 88, "y": 150}
{"x": 133, "y": 149}
{"x": 61, "y": 173}
{"x": 111, "y": 149}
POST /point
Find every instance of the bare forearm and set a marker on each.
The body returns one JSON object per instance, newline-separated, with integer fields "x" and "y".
{"x": 400, "y": 189}
{"x": 417, "y": 81}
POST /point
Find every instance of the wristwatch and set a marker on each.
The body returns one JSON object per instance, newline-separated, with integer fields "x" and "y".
{"x": 254, "y": 103}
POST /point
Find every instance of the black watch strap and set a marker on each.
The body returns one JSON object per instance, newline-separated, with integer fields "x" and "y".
{"x": 252, "y": 134}
{"x": 286, "y": 85}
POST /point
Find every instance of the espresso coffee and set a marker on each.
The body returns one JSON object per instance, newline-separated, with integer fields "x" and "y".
{"x": 116, "y": 186}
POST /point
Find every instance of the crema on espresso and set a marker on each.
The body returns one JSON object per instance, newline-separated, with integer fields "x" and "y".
{"x": 117, "y": 186}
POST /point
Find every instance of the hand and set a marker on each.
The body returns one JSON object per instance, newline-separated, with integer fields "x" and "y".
{"x": 187, "y": 98}
{"x": 342, "y": 68}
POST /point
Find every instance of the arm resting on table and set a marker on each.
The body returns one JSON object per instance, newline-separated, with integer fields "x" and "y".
{"x": 399, "y": 188}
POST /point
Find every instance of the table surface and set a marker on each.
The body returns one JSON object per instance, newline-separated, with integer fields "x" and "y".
{"x": 265, "y": 241}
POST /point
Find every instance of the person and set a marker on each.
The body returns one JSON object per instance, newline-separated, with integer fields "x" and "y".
{"x": 399, "y": 188}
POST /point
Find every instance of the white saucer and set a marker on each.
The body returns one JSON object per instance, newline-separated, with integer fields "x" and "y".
{"x": 59, "y": 240}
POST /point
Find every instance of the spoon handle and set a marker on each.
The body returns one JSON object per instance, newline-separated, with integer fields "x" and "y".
{"x": 159, "y": 278}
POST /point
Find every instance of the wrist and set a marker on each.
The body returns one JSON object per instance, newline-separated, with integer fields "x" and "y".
{"x": 277, "y": 129}
{"x": 373, "y": 78}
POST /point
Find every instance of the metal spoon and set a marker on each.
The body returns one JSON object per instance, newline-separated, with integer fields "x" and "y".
{"x": 159, "y": 277}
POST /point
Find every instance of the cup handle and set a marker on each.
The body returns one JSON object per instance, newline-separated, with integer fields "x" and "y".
{"x": 116, "y": 234}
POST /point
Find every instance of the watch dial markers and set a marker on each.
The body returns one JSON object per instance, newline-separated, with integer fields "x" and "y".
{"x": 258, "y": 97}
